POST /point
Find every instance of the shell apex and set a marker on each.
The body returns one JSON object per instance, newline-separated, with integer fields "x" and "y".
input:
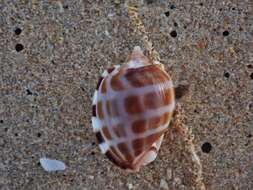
{"x": 137, "y": 59}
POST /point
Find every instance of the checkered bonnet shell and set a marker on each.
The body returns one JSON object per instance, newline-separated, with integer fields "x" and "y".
{"x": 132, "y": 108}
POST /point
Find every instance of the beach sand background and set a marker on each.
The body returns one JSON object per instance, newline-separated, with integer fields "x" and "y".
{"x": 50, "y": 67}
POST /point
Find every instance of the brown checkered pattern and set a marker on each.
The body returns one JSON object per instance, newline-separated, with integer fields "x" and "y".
{"x": 133, "y": 108}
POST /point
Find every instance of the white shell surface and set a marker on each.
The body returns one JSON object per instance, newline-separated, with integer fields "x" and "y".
{"x": 51, "y": 165}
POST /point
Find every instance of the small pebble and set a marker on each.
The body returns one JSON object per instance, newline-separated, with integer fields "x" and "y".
{"x": 169, "y": 174}
{"x": 163, "y": 184}
{"x": 91, "y": 177}
{"x": 177, "y": 181}
{"x": 130, "y": 186}
{"x": 172, "y": 7}
{"x": 117, "y": 2}
{"x": 61, "y": 10}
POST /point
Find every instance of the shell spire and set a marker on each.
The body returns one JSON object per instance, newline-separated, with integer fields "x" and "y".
{"x": 132, "y": 108}
{"x": 136, "y": 59}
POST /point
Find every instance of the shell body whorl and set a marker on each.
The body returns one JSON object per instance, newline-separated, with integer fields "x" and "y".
{"x": 132, "y": 108}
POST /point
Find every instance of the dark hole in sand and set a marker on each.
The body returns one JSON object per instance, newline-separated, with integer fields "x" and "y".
{"x": 206, "y": 147}
{"x": 19, "y": 47}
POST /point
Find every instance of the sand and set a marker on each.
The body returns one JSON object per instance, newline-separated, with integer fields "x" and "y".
{"x": 47, "y": 83}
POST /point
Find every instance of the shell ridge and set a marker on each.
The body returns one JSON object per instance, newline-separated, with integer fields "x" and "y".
{"x": 109, "y": 123}
{"x": 126, "y": 116}
{"x": 143, "y": 90}
{"x": 96, "y": 122}
{"x": 142, "y": 135}
{"x": 149, "y": 113}
{"x": 121, "y": 107}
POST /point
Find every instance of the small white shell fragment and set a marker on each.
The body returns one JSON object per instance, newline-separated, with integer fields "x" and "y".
{"x": 177, "y": 181}
{"x": 91, "y": 177}
{"x": 130, "y": 186}
{"x": 61, "y": 10}
{"x": 163, "y": 184}
{"x": 52, "y": 165}
{"x": 156, "y": 62}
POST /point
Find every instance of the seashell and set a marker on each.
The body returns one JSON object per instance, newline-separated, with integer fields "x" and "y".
{"x": 132, "y": 108}
{"x": 52, "y": 165}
